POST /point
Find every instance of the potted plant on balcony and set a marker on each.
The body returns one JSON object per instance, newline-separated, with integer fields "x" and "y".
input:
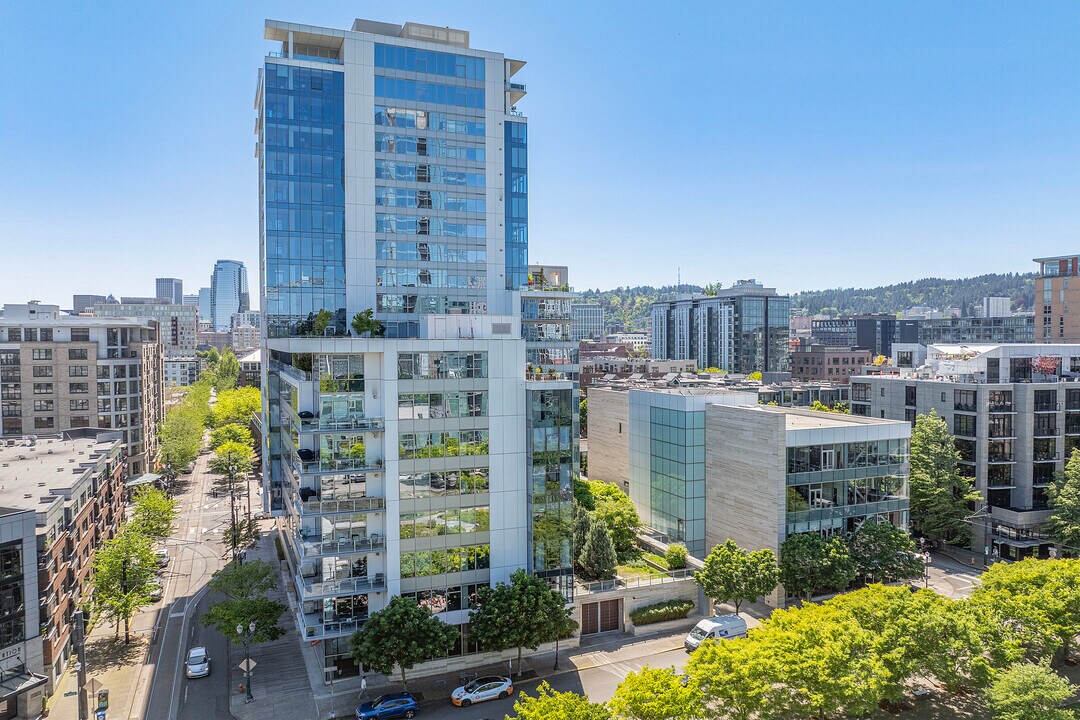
{"x": 1045, "y": 366}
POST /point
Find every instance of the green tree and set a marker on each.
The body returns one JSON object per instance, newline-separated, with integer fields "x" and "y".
{"x": 401, "y": 634}
{"x": 1027, "y": 691}
{"x": 252, "y": 579}
{"x": 551, "y": 705}
{"x": 226, "y": 615}
{"x": 939, "y": 494}
{"x": 180, "y": 435}
{"x": 520, "y": 614}
{"x": 1063, "y": 525}
{"x": 580, "y": 533}
{"x": 756, "y": 375}
{"x": 233, "y": 461}
{"x": 810, "y": 562}
{"x": 226, "y": 371}
{"x": 236, "y": 406}
{"x": 615, "y": 508}
{"x": 123, "y": 571}
{"x": 153, "y": 513}
{"x": 598, "y": 557}
{"x": 583, "y": 416}
{"x": 230, "y": 433}
{"x": 676, "y": 556}
{"x": 884, "y": 553}
{"x": 656, "y": 694}
{"x": 819, "y": 406}
{"x": 365, "y": 324}
{"x": 322, "y": 321}
{"x": 731, "y": 574}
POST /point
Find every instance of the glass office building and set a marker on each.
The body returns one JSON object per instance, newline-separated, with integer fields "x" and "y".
{"x": 228, "y": 293}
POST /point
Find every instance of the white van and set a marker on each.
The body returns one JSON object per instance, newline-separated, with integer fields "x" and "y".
{"x": 718, "y": 627}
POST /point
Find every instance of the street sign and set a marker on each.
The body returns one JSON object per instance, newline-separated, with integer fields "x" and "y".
{"x": 248, "y": 665}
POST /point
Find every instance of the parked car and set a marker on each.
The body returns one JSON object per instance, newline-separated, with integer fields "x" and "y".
{"x": 197, "y": 664}
{"x": 718, "y": 627}
{"x": 481, "y": 689}
{"x": 162, "y": 556}
{"x": 391, "y": 705}
{"x": 153, "y": 589}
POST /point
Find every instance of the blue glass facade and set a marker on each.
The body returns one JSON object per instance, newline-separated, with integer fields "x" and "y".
{"x": 677, "y": 470}
{"x": 517, "y": 205}
{"x": 304, "y": 193}
{"x": 553, "y": 459}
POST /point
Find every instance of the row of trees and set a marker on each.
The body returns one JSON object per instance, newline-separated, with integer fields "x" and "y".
{"x": 852, "y": 653}
{"x": 180, "y": 435}
{"x": 222, "y": 369}
{"x": 233, "y": 460}
{"x": 875, "y": 552}
{"x": 523, "y": 613}
{"x": 125, "y": 567}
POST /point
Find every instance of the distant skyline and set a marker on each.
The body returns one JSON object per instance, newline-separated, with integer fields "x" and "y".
{"x": 806, "y": 145}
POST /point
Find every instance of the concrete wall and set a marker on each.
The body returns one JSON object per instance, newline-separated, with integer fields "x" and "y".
{"x": 745, "y": 464}
{"x": 609, "y": 436}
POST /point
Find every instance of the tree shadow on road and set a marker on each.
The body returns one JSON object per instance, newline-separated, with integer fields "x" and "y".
{"x": 111, "y": 653}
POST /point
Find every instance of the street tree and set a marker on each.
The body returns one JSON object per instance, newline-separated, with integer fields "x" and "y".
{"x": 402, "y": 634}
{"x": 231, "y": 432}
{"x": 1029, "y": 691}
{"x": 732, "y": 574}
{"x": 226, "y": 615}
{"x": 520, "y": 614}
{"x": 153, "y": 513}
{"x": 598, "y": 558}
{"x": 236, "y": 406}
{"x": 1063, "y": 525}
{"x": 548, "y": 704}
{"x": 225, "y": 372}
{"x": 656, "y": 694}
{"x": 233, "y": 461}
{"x": 884, "y": 553}
{"x": 250, "y": 580}
{"x": 810, "y": 562}
{"x": 123, "y": 572}
{"x": 939, "y": 493}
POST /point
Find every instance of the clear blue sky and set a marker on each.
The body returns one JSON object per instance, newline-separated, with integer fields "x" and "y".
{"x": 808, "y": 145}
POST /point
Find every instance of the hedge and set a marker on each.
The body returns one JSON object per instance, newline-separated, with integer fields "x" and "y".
{"x": 660, "y": 612}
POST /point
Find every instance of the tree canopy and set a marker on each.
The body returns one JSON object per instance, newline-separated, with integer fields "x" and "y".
{"x": 884, "y": 553}
{"x": 939, "y": 494}
{"x": 247, "y": 580}
{"x": 226, "y": 615}
{"x": 123, "y": 572}
{"x": 810, "y": 562}
{"x": 732, "y": 574}
{"x": 614, "y": 507}
{"x": 402, "y": 634}
{"x": 1029, "y": 691}
{"x": 520, "y": 614}
{"x": 153, "y": 513}
{"x": 548, "y": 704}
{"x": 231, "y": 432}
{"x": 656, "y": 694}
{"x": 1063, "y": 525}
{"x": 181, "y": 432}
{"x": 598, "y": 558}
{"x": 236, "y": 406}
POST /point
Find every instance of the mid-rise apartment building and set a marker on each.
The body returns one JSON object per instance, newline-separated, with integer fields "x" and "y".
{"x": 418, "y": 461}
{"x": 586, "y": 320}
{"x": 991, "y": 330}
{"x": 1015, "y": 415}
{"x": 704, "y": 464}
{"x": 877, "y": 333}
{"x": 639, "y": 341}
{"x": 65, "y": 372}
{"x": 66, "y": 492}
{"x": 1052, "y": 297}
{"x": 181, "y": 371}
{"x": 828, "y": 363}
{"x": 178, "y": 324}
{"x": 741, "y": 329}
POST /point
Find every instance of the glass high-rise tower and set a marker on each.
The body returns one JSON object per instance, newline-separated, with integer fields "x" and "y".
{"x": 228, "y": 293}
{"x": 403, "y": 456}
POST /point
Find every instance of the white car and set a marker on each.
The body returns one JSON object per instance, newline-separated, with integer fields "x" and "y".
{"x": 481, "y": 689}
{"x": 162, "y": 556}
{"x": 153, "y": 589}
{"x": 197, "y": 664}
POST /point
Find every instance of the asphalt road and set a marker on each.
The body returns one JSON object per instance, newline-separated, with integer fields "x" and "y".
{"x": 196, "y": 553}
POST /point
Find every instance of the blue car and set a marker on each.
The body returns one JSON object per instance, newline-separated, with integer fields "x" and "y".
{"x": 391, "y": 705}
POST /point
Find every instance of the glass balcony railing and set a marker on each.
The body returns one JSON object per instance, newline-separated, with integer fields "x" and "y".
{"x": 314, "y": 506}
{"x": 312, "y": 590}
{"x": 316, "y": 546}
{"x": 316, "y": 625}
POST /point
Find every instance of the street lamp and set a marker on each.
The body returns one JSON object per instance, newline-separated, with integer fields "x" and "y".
{"x": 926, "y": 569}
{"x": 246, "y": 638}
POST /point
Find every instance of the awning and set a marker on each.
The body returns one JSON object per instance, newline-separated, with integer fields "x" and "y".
{"x": 1020, "y": 543}
{"x": 15, "y": 684}
{"x": 143, "y": 480}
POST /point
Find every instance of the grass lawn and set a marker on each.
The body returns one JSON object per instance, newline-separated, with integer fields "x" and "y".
{"x": 658, "y": 559}
{"x": 637, "y": 568}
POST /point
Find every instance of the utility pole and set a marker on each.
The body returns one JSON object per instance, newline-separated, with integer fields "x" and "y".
{"x": 80, "y": 663}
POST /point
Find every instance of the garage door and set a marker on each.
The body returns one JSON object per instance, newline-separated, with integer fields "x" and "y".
{"x": 590, "y": 618}
{"x": 601, "y": 617}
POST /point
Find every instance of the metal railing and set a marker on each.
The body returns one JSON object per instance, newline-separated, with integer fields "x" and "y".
{"x": 603, "y": 586}
{"x": 317, "y": 507}
{"x": 312, "y": 590}
{"x": 312, "y": 547}
{"x": 312, "y": 628}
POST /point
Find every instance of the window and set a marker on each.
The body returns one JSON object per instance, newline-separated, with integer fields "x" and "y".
{"x": 43, "y": 388}
{"x": 41, "y": 354}
{"x": 14, "y": 334}
{"x": 78, "y": 370}
{"x": 78, "y": 404}
{"x": 80, "y": 421}
{"x": 43, "y": 371}
{"x": 964, "y": 425}
{"x": 80, "y": 335}
{"x": 78, "y": 354}
{"x": 909, "y": 394}
{"x": 78, "y": 388}
{"x": 964, "y": 400}
{"x": 103, "y": 372}
{"x": 43, "y": 423}
{"x": 9, "y": 357}
{"x": 46, "y": 334}
{"x": 43, "y": 405}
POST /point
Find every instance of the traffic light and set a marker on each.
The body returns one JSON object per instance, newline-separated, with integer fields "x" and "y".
{"x": 103, "y": 700}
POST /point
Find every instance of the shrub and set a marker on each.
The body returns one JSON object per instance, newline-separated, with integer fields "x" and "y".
{"x": 675, "y": 556}
{"x": 660, "y": 612}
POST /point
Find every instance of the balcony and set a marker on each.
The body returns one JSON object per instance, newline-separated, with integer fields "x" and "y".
{"x": 315, "y": 626}
{"x": 314, "y": 590}
{"x": 1002, "y": 433}
{"x": 1072, "y": 429}
{"x": 1046, "y": 432}
{"x": 336, "y": 424}
{"x": 330, "y": 507}
{"x": 1001, "y": 408}
{"x": 1046, "y": 456}
{"x": 1047, "y": 407}
{"x": 1001, "y": 458}
{"x": 317, "y": 547}
{"x": 333, "y": 465}
{"x": 965, "y": 407}
{"x": 290, "y": 371}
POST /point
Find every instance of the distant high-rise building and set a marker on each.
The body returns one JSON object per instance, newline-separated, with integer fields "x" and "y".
{"x": 586, "y": 321}
{"x": 1054, "y": 322}
{"x": 205, "y": 316}
{"x": 171, "y": 290}
{"x": 179, "y": 326}
{"x": 996, "y": 307}
{"x": 191, "y": 300}
{"x": 741, "y": 329}
{"x": 228, "y": 293}
{"x": 83, "y": 303}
